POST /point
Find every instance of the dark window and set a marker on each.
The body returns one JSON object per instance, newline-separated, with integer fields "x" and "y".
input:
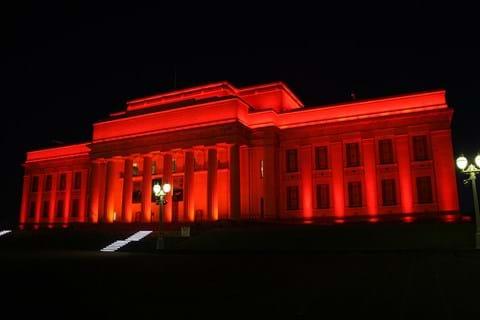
{"x": 389, "y": 194}
{"x": 31, "y": 211}
{"x": 355, "y": 194}
{"x": 291, "y": 158}
{"x": 135, "y": 169}
{"x": 292, "y": 198}
{"x": 77, "y": 180}
{"x": 420, "y": 150}
{"x": 63, "y": 182}
{"x": 59, "y": 212}
{"x": 75, "y": 208}
{"x": 174, "y": 165}
{"x": 424, "y": 190}
{"x": 35, "y": 184}
{"x": 321, "y": 158}
{"x": 154, "y": 167}
{"x": 48, "y": 183}
{"x": 323, "y": 196}
{"x": 137, "y": 192}
{"x": 45, "y": 209}
{"x": 353, "y": 154}
{"x": 385, "y": 151}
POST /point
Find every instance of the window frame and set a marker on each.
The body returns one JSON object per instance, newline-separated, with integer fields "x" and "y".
{"x": 293, "y": 202}
{"x": 420, "y": 195}
{"x": 384, "y": 186}
{"x": 317, "y": 158}
{"x": 351, "y": 198}
{"x": 415, "y": 146}
{"x": 381, "y": 159}
{"x": 288, "y": 160}
{"x": 348, "y": 156}
{"x": 318, "y": 195}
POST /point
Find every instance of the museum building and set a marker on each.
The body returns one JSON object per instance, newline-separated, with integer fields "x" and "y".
{"x": 249, "y": 153}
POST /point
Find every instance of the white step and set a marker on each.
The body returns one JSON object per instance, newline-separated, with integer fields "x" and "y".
{"x": 4, "y": 232}
{"x": 121, "y": 243}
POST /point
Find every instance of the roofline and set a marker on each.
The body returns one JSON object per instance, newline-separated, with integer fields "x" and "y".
{"x": 272, "y": 84}
{"x": 41, "y": 153}
{"x": 218, "y": 84}
{"x": 182, "y": 91}
{"x": 386, "y": 98}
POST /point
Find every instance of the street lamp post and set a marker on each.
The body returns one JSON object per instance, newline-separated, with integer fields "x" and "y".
{"x": 472, "y": 171}
{"x": 160, "y": 192}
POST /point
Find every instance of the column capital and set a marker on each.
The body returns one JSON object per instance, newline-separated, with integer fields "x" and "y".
{"x": 368, "y": 140}
{"x": 98, "y": 161}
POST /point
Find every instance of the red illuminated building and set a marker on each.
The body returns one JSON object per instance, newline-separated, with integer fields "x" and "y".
{"x": 250, "y": 153}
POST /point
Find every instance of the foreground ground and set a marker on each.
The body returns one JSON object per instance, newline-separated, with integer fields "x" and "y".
{"x": 287, "y": 271}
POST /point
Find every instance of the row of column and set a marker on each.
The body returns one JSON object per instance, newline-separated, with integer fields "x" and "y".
{"x": 104, "y": 187}
{"x": 39, "y": 197}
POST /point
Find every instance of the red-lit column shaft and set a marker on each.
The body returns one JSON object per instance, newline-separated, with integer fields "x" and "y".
{"x": 443, "y": 160}
{"x": 83, "y": 196}
{"x": 402, "y": 151}
{"x": 167, "y": 178}
{"x": 102, "y": 183}
{"x": 39, "y": 198}
{"x": 127, "y": 190}
{"x": 25, "y": 197}
{"x": 270, "y": 172}
{"x": 147, "y": 189}
{"x": 68, "y": 197}
{"x": 245, "y": 181}
{"x": 95, "y": 191}
{"x": 189, "y": 192}
{"x": 212, "y": 192}
{"x": 53, "y": 199}
{"x": 234, "y": 167}
{"x": 109, "y": 192}
{"x": 306, "y": 173}
{"x": 337, "y": 179}
{"x": 370, "y": 168}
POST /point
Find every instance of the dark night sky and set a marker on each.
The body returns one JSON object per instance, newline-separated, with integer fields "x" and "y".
{"x": 64, "y": 67}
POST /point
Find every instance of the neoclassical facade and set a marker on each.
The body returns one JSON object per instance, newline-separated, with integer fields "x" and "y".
{"x": 249, "y": 153}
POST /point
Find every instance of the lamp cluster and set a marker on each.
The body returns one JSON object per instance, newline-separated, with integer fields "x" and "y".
{"x": 462, "y": 163}
{"x": 161, "y": 191}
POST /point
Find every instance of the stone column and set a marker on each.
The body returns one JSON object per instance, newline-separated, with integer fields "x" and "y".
{"x": 234, "y": 167}
{"x": 270, "y": 184}
{"x": 39, "y": 198}
{"x": 95, "y": 191}
{"x": 53, "y": 199}
{"x": 68, "y": 197}
{"x": 306, "y": 174}
{"x": 167, "y": 178}
{"x": 109, "y": 192}
{"x": 25, "y": 198}
{"x": 338, "y": 187}
{"x": 402, "y": 151}
{"x": 147, "y": 189}
{"x": 444, "y": 163}
{"x": 370, "y": 169}
{"x": 188, "y": 190}
{"x": 127, "y": 190}
{"x": 83, "y": 196}
{"x": 212, "y": 192}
